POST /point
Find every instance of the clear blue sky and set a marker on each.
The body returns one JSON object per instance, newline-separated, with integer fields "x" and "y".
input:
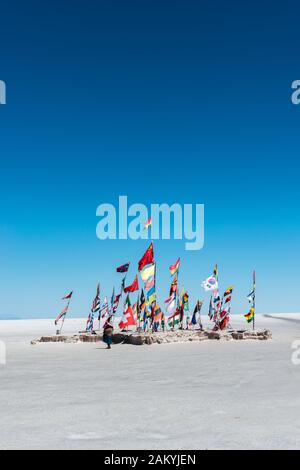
{"x": 164, "y": 102}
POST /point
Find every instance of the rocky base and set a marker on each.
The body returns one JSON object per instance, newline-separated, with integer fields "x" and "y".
{"x": 177, "y": 336}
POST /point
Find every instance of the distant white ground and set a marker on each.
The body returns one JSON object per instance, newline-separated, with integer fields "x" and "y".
{"x": 208, "y": 395}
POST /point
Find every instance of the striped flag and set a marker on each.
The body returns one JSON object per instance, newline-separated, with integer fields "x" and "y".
{"x": 104, "y": 310}
{"x": 96, "y": 301}
{"x": 150, "y": 282}
{"x": 62, "y": 314}
{"x": 148, "y": 272}
{"x": 174, "y": 268}
{"x": 148, "y": 223}
{"x": 174, "y": 319}
{"x": 90, "y": 323}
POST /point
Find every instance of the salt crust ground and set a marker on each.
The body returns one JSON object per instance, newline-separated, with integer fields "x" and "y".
{"x": 207, "y": 395}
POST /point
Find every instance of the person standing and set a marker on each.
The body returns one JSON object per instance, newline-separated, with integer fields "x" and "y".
{"x": 108, "y": 331}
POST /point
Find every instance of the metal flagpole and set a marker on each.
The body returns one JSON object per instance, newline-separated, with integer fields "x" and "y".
{"x": 254, "y": 298}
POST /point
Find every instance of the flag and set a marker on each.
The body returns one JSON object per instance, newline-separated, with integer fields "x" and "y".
{"x": 148, "y": 257}
{"x": 174, "y": 319}
{"x": 169, "y": 299}
{"x": 251, "y": 296}
{"x": 250, "y": 316}
{"x": 148, "y": 223}
{"x": 211, "y": 308}
{"x": 174, "y": 268}
{"x": 150, "y": 292}
{"x": 135, "y": 311}
{"x": 181, "y": 297}
{"x": 142, "y": 300}
{"x": 150, "y": 282}
{"x": 90, "y": 323}
{"x": 104, "y": 308}
{"x": 127, "y": 318}
{"x": 171, "y": 308}
{"x": 148, "y": 272}
{"x": 194, "y": 317}
{"x": 96, "y": 305}
{"x": 215, "y": 305}
{"x": 196, "y": 310}
{"x": 124, "y": 268}
{"x": 210, "y": 283}
{"x": 174, "y": 286}
{"x": 68, "y": 296}
{"x": 151, "y": 296}
{"x": 216, "y": 271}
{"x": 96, "y": 301}
{"x": 224, "y": 322}
{"x": 112, "y": 299}
{"x": 62, "y": 314}
{"x": 133, "y": 287}
{"x": 127, "y": 301}
{"x": 158, "y": 314}
{"x": 185, "y": 301}
{"x": 116, "y": 303}
{"x": 228, "y": 291}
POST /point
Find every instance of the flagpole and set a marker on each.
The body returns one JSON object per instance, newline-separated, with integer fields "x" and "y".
{"x": 99, "y": 314}
{"x": 138, "y": 311}
{"x": 254, "y": 297}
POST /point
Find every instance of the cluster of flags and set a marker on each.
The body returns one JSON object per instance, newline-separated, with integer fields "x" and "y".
{"x": 219, "y": 307}
{"x": 146, "y": 310}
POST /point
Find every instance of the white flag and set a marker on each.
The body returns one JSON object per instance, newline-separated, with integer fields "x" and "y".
{"x": 210, "y": 283}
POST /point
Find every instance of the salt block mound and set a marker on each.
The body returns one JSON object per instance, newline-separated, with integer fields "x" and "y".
{"x": 84, "y": 338}
{"x": 176, "y": 336}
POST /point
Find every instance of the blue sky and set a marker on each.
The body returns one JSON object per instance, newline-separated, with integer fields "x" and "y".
{"x": 188, "y": 103}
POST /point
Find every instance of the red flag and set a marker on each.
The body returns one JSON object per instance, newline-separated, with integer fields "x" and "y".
{"x": 133, "y": 287}
{"x": 148, "y": 257}
{"x": 127, "y": 319}
{"x": 68, "y": 296}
